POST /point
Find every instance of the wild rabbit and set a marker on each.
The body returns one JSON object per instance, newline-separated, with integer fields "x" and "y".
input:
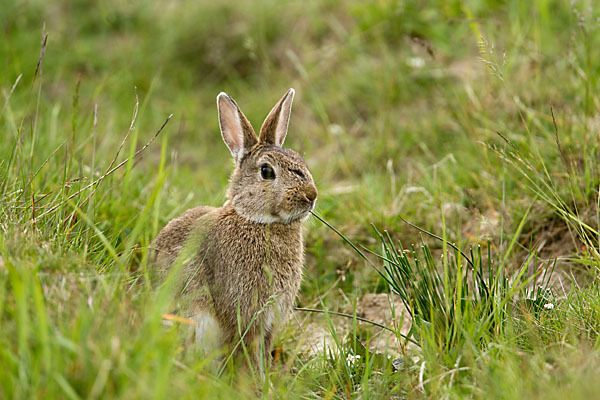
{"x": 242, "y": 263}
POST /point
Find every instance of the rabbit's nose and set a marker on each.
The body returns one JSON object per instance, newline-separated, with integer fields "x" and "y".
{"x": 310, "y": 193}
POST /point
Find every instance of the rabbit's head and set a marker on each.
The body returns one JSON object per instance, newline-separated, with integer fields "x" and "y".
{"x": 269, "y": 183}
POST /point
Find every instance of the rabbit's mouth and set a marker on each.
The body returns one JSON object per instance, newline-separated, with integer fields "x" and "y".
{"x": 282, "y": 218}
{"x": 305, "y": 213}
{"x": 301, "y": 214}
{"x": 286, "y": 217}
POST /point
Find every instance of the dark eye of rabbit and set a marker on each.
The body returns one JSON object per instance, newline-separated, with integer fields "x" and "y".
{"x": 266, "y": 171}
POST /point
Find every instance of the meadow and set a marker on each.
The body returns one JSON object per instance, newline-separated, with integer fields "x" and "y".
{"x": 455, "y": 246}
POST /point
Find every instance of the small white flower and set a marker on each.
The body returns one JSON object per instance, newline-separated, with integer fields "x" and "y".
{"x": 336, "y": 129}
{"x": 416, "y": 62}
{"x": 549, "y": 306}
{"x": 351, "y": 359}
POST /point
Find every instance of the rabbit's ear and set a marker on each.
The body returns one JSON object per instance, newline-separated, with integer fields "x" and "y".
{"x": 237, "y": 132}
{"x": 275, "y": 127}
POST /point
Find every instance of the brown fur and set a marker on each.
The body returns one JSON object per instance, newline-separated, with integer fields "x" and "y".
{"x": 244, "y": 261}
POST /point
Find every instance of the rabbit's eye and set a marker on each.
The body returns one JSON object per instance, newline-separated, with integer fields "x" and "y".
{"x": 267, "y": 172}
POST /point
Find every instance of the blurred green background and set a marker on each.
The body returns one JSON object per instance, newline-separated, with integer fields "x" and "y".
{"x": 403, "y": 109}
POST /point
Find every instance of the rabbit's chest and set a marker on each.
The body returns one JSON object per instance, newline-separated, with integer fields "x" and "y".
{"x": 259, "y": 272}
{"x": 269, "y": 271}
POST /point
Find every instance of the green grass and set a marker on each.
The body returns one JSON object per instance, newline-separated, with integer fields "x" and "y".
{"x": 475, "y": 120}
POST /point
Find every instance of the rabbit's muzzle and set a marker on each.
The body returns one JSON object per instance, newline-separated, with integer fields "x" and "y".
{"x": 310, "y": 193}
{"x": 307, "y": 198}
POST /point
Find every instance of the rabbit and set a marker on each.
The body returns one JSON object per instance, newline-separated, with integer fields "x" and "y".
{"x": 243, "y": 262}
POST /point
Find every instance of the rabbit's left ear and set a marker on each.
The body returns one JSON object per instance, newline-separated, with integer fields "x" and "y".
{"x": 275, "y": 127}
{"x": 237, "y": 132}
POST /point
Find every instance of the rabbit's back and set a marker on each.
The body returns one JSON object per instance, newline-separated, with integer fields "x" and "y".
{"x": 172, "y": 238}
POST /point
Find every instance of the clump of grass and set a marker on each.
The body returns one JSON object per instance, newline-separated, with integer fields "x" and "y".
{"x": 459, "y": 299}
{"x": 570, "y": 190}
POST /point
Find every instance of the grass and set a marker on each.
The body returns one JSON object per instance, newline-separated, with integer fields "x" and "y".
{"x": 475, "y": 120}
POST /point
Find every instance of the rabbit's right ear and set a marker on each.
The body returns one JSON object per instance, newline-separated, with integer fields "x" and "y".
{"x": 275, "y": 127}
{"x": 237, "y": 132}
